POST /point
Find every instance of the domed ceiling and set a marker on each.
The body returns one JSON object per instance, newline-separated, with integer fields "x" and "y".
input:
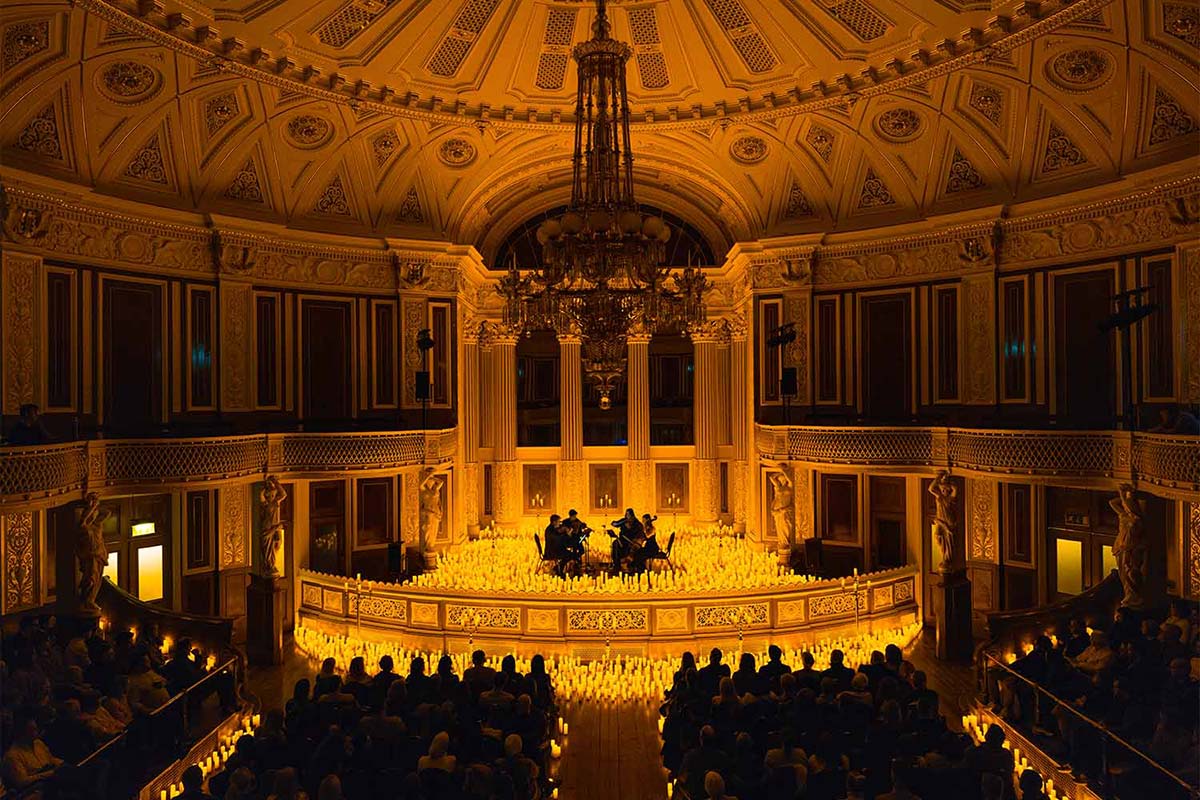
{"x": 453, "y": 120}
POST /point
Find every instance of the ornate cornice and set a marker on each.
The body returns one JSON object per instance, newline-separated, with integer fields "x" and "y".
{"x": 973, "y": 47}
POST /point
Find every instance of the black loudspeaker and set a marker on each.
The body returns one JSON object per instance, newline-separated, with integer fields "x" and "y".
{"x": 423, "y": 386}
{"x": 788, "y": 385}
{"x": 395, "y": 559}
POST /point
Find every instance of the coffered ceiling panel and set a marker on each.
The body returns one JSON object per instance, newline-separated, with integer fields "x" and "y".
{"x": 454, "y": 120}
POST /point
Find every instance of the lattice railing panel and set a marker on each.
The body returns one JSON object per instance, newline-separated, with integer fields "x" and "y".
{"x": 1168, "y": 460}
{"x": 352, "y": 452}
{"x": 29, "y": 471}
{"x": 1035, "y": 452}
{"x": 861, "y": 445}
{"x": 177, "y": 459}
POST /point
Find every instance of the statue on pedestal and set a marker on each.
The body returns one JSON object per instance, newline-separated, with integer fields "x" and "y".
{"x": 945, "y": 495}
{"x": 92, "y": 552}
{"x": 270, "y": 501}
{"x": 783, "y": 508}
{"x": 431, "y": 506}
{"x": 1130, "y": 547}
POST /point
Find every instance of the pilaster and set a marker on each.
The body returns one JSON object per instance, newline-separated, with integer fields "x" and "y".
{"x": 503, "y": 395}
{"x": 1187, "y": 262}
{"x": 21, "y": 283}
{"x": 570, "y": 400}
{"x": 706, "y": 343}
{"x": 638, "y": 385}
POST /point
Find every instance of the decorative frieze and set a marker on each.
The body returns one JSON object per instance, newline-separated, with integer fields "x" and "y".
{"x": 736, "y": 616}
{"x": 982, "y": 527}
{"x": 471, "y": 617}
{"x": 979, "y": 352}
{"x": 234, "y": 526}
{"x": 388, "y": 608}
{"x": 609, "y": 619}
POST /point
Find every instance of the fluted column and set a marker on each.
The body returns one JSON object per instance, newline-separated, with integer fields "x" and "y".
{"x": 503, "y": 396}
{"x": 706, "y": 423}
{"x": 739, "y": 404}
{"x": 638, "y": 486}
{"x": 487, "y": 420}
{"x": 570, "y": 400}
{"x": 468, "y": 424}
{"x": 638, "y": 385}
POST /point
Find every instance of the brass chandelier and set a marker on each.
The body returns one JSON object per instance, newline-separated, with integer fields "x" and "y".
{"x": 601, "y": 276}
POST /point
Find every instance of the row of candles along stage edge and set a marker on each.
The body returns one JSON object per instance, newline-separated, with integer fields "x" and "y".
{"x": 506, "y": 562}
{"x": 611, "y": 679}
{"x": 212, "y": 763}
{"x": 973, "y": 726}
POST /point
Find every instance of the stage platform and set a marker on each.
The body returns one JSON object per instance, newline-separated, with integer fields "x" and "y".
{"x": 653, "y": 623}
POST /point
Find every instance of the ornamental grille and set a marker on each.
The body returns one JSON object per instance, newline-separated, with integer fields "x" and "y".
{"x": 860, "y": 18}
{"x": 560, "y": 27}
{"x": 754, "y": 52}
{"x": 643, "y": 25}
{"x": 188, "y": 458}
{"x": 25, "y": 472}
{"x": 729, "y": 13}
{"x": 1032, "y": 452}
{"x": 344, "y": 25}
{"x": 653, "y": 70}
{"x": 449, "y": 56}
{"x": 860, "y": 445}
{"x": 1165, "y": 460}
{"x": 475, "y": 15}
{"x": 551, "y": 70}
{"x": 317, "y": 452}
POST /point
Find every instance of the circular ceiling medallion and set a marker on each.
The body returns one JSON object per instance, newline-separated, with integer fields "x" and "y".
{"x": 1080, "y": 69}
{"x": 748, "y": 149}
{"x": 129, "y": 81}
{"x": 456, "y": 152}
{"x": 308, "y": 131}
{"x": 898, "y": 124}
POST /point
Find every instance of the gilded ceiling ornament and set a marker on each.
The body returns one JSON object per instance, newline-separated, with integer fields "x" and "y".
{"x": 988, "y": 101}
{"x": 456, "y": 152}
{"x": 40, "y": 136}
{"x": 748, "y": 149}
{"x": 1061, "y": 152}
{"x": 820, "y": 140}
{"x": 129, "y": 81}
{"x": 1169, "y": 119}
{"x": 25, "y": 39}
{"x": 219, "y": 110}
{"x": 797, "y": 203}
{"x": 333, "y": 200}
{"x": 384, "y": 145}
{"x": 308, "y": 131}
{"x": 898, "y": 124}
{"x": 148, "y": 164}
{"x": 963, "y": 176}
{"x": 1182, "y": 20}
{"x": 1080, "y": 69}
{"x": 874, "y": 192}
{"x": 245, "y": 186}
{"x": 410, "y": 209}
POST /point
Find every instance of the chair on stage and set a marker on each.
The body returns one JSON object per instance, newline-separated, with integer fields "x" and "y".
{"x": 665, "y": 555}
{"x": 542, "y": 561}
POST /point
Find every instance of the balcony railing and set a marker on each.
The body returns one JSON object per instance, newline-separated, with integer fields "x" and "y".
{"x": 42, "y": 472}
{"x": 1166, "y": 460}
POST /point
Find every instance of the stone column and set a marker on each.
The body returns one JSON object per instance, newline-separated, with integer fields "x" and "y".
{"x": 572, "y": 471}
{"x": 503, "y": 397}
{"x": 468, "y": 424}
{"x": 487, "y": 420}
{"x": 639, "y": 473}
{"x": 739, "y": 433}
{"x": 706, "y": 424}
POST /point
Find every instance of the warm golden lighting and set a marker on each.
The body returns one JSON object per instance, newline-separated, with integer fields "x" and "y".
{"x": 143, "y": 529}
{"x": 713, "y": 560}
{"x": 150, "y": 573}
{"x": 618, "y": 678}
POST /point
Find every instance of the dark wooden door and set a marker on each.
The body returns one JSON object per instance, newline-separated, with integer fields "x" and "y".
{"x": 132, "y": 357}
{"x": 1085, "y": 373}
{"x": 326, "y": 328}
{"x": 886, "y": 357}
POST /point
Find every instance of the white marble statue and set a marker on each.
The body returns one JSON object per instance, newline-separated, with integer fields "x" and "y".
{"x": 91, "y": 552}
{"x": 431, "y": 507}
{"x": 945, "y": 495}
{"x": 270, "y": 501}
{"x": 783, "y": 507}
{"x": 1130, "y": 547}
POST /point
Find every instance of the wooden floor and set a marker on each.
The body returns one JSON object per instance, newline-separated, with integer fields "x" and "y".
{"x": 612, "y": 751}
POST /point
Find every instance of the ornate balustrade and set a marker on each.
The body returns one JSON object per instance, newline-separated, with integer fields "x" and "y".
{"x": 650, "y": 623}
{"x": 1169, "y": 461}
{"x": 45, "y": 472}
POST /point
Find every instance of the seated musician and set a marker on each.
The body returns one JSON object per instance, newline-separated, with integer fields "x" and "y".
{"x": 575, "y": 533}
{"x": 628, "y": 538}
{"x": 555, "y": 548}
{"x": 649, "y": 547}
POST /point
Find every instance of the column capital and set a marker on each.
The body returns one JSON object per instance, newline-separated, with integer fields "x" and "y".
{"x": 493, "y": 333}
{"x": 570, "y": 338}
{"x": 638, "y": 338}
{"x": 709, "y": 332}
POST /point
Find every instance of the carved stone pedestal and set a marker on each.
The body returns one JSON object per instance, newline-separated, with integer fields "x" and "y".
{"x": 266, "y": 607}
{"x": 952, "y": 605}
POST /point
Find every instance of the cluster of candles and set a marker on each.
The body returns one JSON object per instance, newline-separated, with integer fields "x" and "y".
{"x": 212, "y": 763}
{"x": 615, "y": 679}
{"x": 705, "y": 560}
{"x": 974, "y": 727}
